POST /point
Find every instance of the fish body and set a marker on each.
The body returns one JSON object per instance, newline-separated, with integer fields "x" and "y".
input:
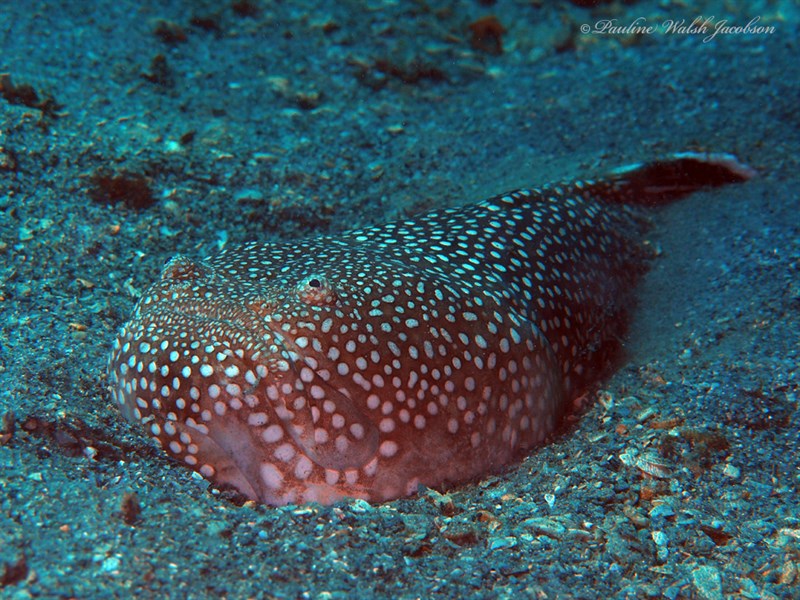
{"x": 428, "y": 351}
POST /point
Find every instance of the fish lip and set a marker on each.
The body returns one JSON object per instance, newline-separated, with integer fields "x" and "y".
{"x": 236, "y": 320}
{"x": 243, "y": 306}
{"x": 242, "y": 315}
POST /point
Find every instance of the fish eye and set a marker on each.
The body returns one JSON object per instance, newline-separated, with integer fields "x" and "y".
{"x": 317, "y": 291}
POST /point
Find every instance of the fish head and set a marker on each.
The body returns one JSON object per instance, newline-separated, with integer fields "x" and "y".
{"x": 230, "y": 375}
{"x": 332, "y": 374}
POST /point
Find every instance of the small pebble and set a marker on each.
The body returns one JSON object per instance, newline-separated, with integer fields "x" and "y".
{"x": 732, "y": 471}
{"x": 708, "y": 582}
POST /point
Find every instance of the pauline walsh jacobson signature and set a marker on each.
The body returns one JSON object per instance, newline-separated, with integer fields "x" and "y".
{"x": 707, "y": 27}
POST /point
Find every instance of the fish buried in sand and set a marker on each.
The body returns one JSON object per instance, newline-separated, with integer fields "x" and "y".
{"x": 428, "y": 351}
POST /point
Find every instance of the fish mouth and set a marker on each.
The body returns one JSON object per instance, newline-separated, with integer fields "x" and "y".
{"x": 290, "y": 382}
{"x": 196, "y": 293}
{"x": 196, "y": 377}
{"x": 250, "y": 324}
{"x": 217, "y": 362}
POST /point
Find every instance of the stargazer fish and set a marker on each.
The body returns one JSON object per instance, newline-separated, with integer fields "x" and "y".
{"x": 428, "y": 351}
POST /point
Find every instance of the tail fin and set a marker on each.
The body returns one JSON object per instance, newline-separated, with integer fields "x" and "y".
{"x": 669, "y": 179}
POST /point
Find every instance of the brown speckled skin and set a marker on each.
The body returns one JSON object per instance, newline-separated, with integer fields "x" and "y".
{"x": 427, "y": 351}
